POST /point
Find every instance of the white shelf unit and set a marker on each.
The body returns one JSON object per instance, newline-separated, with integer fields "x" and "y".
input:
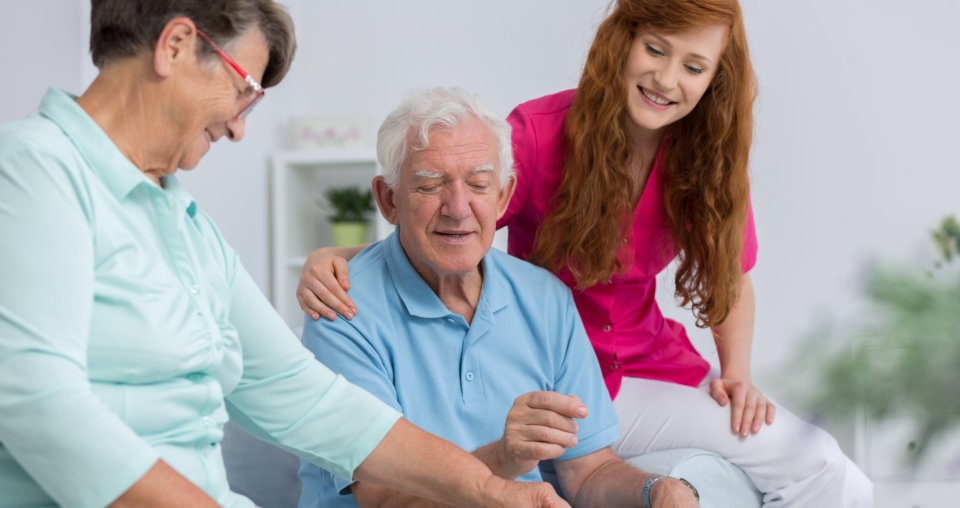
{"x": 299, "y": 213}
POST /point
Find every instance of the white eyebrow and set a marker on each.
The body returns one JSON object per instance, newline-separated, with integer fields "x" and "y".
{"x": 484, "y": 168}
{"x": 423, "y": 173}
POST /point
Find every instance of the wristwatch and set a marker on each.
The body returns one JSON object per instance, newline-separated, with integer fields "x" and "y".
{"x": 645, "y": 495}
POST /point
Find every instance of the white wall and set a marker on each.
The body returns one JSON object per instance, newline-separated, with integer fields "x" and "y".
{"x": 854, "y": 153}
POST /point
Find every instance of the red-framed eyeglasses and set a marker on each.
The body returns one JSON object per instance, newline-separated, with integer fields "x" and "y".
{"x": 253, "y": 92}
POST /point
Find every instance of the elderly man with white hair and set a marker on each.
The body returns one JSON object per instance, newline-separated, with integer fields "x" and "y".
{"x": 476, "y": 346}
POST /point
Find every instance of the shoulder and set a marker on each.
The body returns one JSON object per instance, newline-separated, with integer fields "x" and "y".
{"x": 527, "y": 280}
{"x": 539, "y": 139}
{"x": 38, "y": 137}
{"x": 372, "y": 287}
{"x": 41, "y": 164}
{"x": 368, "y": 269}
{"x": 554, "y": 104}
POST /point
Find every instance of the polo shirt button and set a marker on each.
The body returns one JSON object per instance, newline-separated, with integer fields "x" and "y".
{"x": 606, "y": 328}
{"x": 469, "y": 375}
{"x": 614, "y": 366}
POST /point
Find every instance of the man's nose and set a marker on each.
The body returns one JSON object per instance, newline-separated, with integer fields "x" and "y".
{"x": 456, "y": 201}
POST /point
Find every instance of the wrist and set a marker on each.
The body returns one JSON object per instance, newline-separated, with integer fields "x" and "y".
{"x": 490, "y": 492}
{"x": 652, "y": 486}
{"x": 648, "y": 487}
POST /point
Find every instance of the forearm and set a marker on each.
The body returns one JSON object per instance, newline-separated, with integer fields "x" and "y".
{"x": 375, "y": 496}
{"x": 162, "y": 486}
{"x": 346, "y": 252}
{"x": 613, "y": 483}
{"x": 418, "y": 463}
{"x": 734, "y": 337}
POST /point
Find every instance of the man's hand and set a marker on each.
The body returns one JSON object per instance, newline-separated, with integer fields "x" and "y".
{"x": 539, "y": 426}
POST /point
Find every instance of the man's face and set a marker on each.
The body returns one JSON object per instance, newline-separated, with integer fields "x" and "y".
{"x": 447, "y": 201}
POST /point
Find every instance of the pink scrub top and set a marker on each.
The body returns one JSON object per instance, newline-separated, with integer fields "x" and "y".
{"x": 629, "y": 333}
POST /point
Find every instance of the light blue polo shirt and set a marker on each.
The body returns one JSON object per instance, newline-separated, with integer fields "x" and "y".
{"x": 455, "y": 380}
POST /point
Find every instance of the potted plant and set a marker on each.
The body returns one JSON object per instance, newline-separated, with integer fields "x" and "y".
{"x": 350, "y": 220}
{"x": 905, "y": 350}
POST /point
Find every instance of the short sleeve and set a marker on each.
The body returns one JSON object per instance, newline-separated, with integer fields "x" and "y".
{"x": 580, "y": 375}
{"x": 341, "y": 345}
{"x": 524, "y": 139}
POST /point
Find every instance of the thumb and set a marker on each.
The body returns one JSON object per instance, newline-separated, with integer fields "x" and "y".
{"x": 718, "y": 392}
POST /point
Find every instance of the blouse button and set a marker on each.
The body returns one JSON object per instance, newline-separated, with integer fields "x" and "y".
{"x": 606, "y": 328}
{"x": 469, "y": 376}
{"x": 194, "y": 289}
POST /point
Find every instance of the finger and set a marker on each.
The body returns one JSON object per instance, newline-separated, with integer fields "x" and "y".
{"x": 529, "y": 416}
{"x": 313, "y": 306}
{"x": 749, "y": 410}
{"x": 718, "y": 392}
{"x": 760, "y": 415}
{"x": 566, "y": 405}
{"x": 306, "y": 308}
{"x": 536, "y": 442}
{"x": 738, "y": 400}
{"x": 327, "y": 291}
{"x": 771, "y": 412}
{"x": 343, "y": 275}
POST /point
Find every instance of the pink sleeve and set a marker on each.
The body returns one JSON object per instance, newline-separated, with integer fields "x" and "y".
{"x": 748, "y": 257}
{"x": 524, "y": 152}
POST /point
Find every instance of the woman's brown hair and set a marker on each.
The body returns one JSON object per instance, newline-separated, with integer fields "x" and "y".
{"x": 704, "y": 165}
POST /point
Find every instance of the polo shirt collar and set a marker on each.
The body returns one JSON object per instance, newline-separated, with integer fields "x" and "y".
{"x": 103, "y": 157}
{"x": 419, "y": 298}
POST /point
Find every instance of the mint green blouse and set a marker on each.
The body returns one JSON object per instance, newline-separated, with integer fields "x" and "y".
{"x": 129, "y": 331}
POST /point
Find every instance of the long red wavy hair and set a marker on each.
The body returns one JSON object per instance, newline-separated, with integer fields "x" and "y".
{"x": 706, "y": 187}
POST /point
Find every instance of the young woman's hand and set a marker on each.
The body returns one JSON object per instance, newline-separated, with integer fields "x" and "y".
{"x": 324, "y": 282}
{"x": 749, "y": 408}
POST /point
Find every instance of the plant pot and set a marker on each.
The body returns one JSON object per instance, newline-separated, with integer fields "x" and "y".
{"x": 346, "y": 234}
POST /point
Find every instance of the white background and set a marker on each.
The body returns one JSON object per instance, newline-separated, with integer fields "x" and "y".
{"x": 854, "y": 154}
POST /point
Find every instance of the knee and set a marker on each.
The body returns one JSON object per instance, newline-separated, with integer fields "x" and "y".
{"x": 834, "y": 467}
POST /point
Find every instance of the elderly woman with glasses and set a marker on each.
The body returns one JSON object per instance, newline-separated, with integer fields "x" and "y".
{"x": 118, "y": 394}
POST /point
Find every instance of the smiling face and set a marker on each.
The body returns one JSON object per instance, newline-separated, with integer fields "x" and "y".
{"x": 667, "y": 74}
{"x": 217, "y": 95}
{"x": 447, "y": 201}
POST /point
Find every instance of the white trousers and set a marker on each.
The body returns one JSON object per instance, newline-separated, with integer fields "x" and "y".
{"x": 794, "y": 463}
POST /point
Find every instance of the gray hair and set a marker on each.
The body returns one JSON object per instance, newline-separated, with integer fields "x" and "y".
{"x": 122, "y": 28}
{"x": 441, "y": 107}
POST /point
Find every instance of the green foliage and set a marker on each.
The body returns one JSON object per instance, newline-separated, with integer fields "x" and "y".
{"x": 350, "y": 204}
{"x": 905, "y": 360}
{"x": 948, "y": 238}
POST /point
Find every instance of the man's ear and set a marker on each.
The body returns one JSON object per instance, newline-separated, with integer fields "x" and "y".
{"x": 506, "y": 192}
{"x": 177, "y": 43}
{"x": 385, "y": 199}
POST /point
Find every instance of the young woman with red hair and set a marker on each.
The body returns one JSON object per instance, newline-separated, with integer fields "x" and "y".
{"x": 644, "y": 161}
